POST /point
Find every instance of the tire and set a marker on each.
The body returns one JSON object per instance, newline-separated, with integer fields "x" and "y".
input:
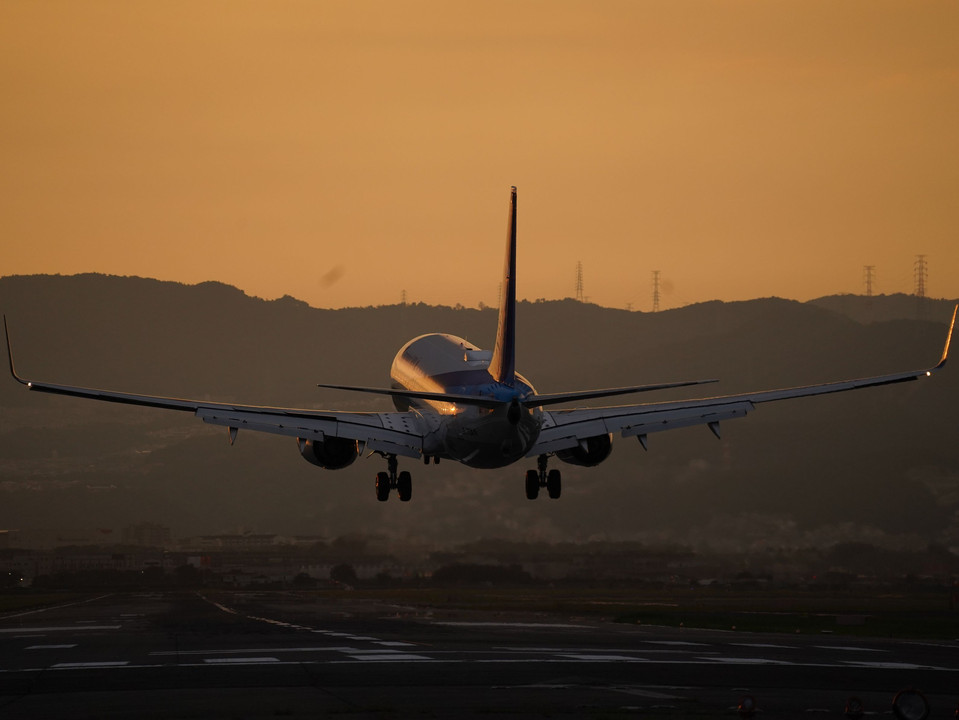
{"x": 554, "y": 484}
{"x": 404, "y": 486}
{"x": 382, "y": 486}
{"x": 532, "y": 484}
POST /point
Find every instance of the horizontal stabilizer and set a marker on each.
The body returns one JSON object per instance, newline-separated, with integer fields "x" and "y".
{"x": 477, "y": 400}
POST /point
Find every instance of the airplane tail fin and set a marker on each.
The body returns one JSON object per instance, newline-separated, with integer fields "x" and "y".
{"x": 503, "y": 365}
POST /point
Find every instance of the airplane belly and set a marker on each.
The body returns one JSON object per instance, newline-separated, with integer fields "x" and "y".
{"x": 491, "y": 443}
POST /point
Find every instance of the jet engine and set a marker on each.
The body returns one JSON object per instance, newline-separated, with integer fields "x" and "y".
{"x": 332, "y": 453}
{"x": 597, "y": 449}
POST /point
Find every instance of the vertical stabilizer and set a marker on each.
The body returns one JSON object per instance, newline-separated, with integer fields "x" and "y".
{"x": 503, "y": 365}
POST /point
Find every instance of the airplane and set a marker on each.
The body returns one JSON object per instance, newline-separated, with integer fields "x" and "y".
{"x": 455, "y": 401}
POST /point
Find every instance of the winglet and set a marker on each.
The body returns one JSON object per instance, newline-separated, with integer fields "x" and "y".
{"x": 13, "y": 371}
{"x": 945, "y": 350}
{"x": 503, "y": 365}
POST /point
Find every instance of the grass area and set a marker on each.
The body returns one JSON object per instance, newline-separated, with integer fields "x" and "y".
{"x": 912, "y": 613}
{"x": 916, "y": 612}
{"x": 926, "y": 625}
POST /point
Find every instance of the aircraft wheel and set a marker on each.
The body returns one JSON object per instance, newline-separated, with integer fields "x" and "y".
{"x": 532, "y": 484}
{"x": 404, "y": 486}
{"x": 382, "y": 486}
{"x": 554, "y": 484}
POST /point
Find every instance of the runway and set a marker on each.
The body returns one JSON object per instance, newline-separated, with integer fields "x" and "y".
{"x": 268, "y": 655}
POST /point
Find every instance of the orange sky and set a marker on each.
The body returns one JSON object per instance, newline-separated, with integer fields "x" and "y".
{"x": 342, "y": 152}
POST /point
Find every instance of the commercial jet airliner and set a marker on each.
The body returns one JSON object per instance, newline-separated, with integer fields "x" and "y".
{"x": 455, "y": 401}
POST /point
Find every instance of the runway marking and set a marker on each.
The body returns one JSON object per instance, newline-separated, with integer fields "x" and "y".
{"x": 217, "y": 605}
{"x": 241, "y": 661}
{"x": 50, "y": 647}
{"x": 849, "y": 649}
{"x": 377, "y": 651}
{"x": 747, "y": 661}
{"x": 603, "y": 658}
{"x": 896, "y": 666}
{"x": 380, "y": 655}
{"x": 391, "y": 657}
{"x": 56, "y": 607}
{"x": 394, "y": 643}
{"x": 75, "y": 665}
{"x": 675, "y": 642}
{"x": 643, "y": 692}
{"x": 765, "y": 645}
{"x": 345, "y": 636}
{"x": 513, "y": 625}
{"x": 66, "y": 628}
{"x": 561, "y": 650}
{"x": 279, "y": 623}
{"x": 160, "y": 653}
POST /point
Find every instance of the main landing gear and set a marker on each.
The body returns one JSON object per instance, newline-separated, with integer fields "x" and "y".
{"x": 386, "y": 481}
{"x": 539, "y": 478}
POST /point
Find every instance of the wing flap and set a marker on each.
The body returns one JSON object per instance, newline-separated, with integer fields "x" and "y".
{"x": 378, "y": 431}
{"x": 566, "y": 428}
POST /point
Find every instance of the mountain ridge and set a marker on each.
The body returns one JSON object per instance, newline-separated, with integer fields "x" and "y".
{"x": 876, "y": 463}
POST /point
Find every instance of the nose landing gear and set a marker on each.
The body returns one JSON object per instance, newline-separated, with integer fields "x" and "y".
{"x": 540, "y": 478}
{"x": 386, "y": 481}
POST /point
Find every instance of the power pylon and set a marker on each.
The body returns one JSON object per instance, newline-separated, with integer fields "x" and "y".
{"x": 868, "y": 275}
{"x": 655, "y": 290}
{"x": 921, "y": 273}
{"x": 579, "y": 282}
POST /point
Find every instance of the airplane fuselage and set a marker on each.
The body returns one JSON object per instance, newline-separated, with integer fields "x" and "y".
{"x": 475, "y": 436}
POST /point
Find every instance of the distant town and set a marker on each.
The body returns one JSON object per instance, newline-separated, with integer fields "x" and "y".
{"x": 147, "y": 555}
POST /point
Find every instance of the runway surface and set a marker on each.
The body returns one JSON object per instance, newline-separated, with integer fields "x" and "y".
{"x": 268, "y": 655}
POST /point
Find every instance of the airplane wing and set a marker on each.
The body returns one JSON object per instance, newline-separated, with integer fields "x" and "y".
{"x": 398, "y": 433}
{"x": 563, "y": 429}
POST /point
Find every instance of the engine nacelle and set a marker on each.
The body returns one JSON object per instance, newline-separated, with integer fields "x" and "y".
{"x": 332, "y": 453}
{"x": 597, "y": 449}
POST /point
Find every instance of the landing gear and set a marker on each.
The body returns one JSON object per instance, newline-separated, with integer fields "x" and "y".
{"x": 539, "y": 478}
{"x": 386, "y": 481}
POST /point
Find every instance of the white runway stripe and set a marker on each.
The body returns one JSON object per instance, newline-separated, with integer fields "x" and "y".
{"x": 61, "y": 628}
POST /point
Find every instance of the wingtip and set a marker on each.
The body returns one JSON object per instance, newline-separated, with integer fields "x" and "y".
{"x": 13, "y": 371}
{"x": 945, "y": 349}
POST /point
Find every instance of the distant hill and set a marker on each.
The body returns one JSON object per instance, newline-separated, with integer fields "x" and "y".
{"x": 878, "y": 465}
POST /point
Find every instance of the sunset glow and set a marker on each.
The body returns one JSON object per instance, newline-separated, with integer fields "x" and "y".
{"x": 343, "y": 152}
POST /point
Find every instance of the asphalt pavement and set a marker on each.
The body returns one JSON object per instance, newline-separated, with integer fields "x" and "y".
{"x": 267, "y": 655}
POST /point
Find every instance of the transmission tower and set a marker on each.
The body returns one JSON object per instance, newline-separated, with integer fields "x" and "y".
{"x": 655, "y": 290}
{"x": 868, "y": 275}
{"x": 921, "y": 273}
{"x": 404, "y": 298}
{"x": 579, "y": 282}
